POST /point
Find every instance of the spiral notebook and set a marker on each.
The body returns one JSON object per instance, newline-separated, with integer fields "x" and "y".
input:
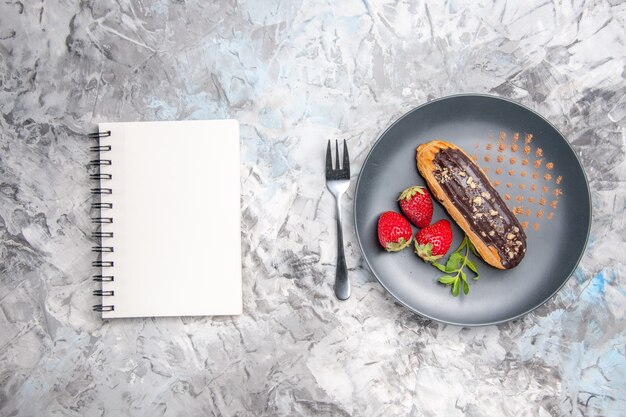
{"x": 167, "y": 211}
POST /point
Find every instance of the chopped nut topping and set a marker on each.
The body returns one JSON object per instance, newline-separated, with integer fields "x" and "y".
{"x": 478, "y": 200}
{"x": 493, "y": 212}
{"x": 492, "y": 233}
{"x": 486, "y": 195}
{"x": 516, "y": 229}
{"x": 510, "y": 236}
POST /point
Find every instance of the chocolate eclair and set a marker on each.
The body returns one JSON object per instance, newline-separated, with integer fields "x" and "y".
{"x": 472, "y": 201}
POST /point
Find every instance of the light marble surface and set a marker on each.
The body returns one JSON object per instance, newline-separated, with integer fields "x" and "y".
{"x": 296, "y": 74}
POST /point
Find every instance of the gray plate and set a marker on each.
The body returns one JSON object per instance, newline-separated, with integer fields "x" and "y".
{"x": 472, "y": 122}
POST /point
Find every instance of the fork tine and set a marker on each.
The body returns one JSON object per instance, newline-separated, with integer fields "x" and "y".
{"x": 337, "y": 156}
{"x": 346, "y": 158}
{"x": 329, "y": 159}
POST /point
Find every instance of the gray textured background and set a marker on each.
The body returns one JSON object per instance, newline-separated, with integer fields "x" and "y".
{"x": 296, "y": 74}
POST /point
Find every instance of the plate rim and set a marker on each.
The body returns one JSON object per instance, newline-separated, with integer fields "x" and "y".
{"x": 497, "y": 98}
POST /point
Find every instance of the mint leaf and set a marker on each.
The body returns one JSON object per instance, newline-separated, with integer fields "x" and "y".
{"x": 439, "y": 266}
{"x": 457, "y": 261}
{"x": 455, "y": 287}
{"x": 472, "y": 265}
{"x": 453, "y": 262}
{"x": 471, "y": 246}
{"x": 476, "y": 278}
{"x": 447, "y": 279}
{"x": 463, "y": 244}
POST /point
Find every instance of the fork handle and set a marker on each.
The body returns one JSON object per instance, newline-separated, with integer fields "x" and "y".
{"x": 342, "y": 284}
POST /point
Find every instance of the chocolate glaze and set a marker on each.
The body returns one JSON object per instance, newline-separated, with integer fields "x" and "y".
{"x": 480, "y": 204}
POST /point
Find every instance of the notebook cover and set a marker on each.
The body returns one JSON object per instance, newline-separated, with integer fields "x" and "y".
{"x": 176, "y": 218}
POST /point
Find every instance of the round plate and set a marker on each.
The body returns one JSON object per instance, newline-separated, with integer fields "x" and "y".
{"x": 558, "y": 216}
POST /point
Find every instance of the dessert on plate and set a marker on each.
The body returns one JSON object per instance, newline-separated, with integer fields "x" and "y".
{"x": 471, "y": 200}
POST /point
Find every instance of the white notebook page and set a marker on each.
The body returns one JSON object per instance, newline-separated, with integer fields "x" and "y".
{"x": 176, "y": 218}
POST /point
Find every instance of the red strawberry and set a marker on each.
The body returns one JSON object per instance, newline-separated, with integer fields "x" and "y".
{"x": 394, "y": 231}
{"x": 432, "y": 242}
{"x": 417, "y": 205}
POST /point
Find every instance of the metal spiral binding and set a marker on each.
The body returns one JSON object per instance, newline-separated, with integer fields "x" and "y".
{"x": 100, "y": 148}
{"x": 100, "y": 162}
{"x": 102, "y": 293}
{"x": 100, "y": 206}
{"x": 102, "y": 249}
{"x": 102, "y": 264}
{"x": 100, "y": 191}
{"x": 98, "y": 135}
{"x": 100, "y": 307}
{"x": 103, "y": 278}
{"x": 100, "y": 176}
{"x": 100, "y": 235}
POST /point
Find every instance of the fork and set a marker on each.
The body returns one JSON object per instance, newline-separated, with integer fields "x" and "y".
{"x": 337, "y": 182}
